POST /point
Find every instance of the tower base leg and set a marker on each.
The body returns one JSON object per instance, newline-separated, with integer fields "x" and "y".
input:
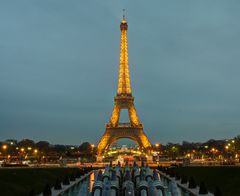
{"x": 112, "y": 134}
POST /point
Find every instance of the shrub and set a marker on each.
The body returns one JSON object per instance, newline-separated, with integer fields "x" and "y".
{"x": 66, "y": 181}
{"x": 72, "y": 177}
{"x": 177, "y": 177}
{"x": 167, "y": 171}
{"x": 217, "y": 192}
{"x": 78, "y": 174}
{"x": 32, "y": 193}
{"x": 192, "y": 184}
{"x": 58, "y": 185}
{"x": 184, "y": 180}
{"x": 172, "y": 173}
{"x": 47, "y": 190}
{"x": 203, "y": 189}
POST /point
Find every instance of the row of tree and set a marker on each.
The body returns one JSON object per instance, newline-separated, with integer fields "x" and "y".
{"x": 211, "y": 146}
{"x": 44, "y": 147}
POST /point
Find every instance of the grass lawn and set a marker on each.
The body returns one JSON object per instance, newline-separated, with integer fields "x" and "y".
{"x": 19, "y": 182}
{"x": 226, "y": 178}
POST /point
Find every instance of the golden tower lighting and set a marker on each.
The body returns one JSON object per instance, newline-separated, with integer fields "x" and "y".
{"x": 123, "y": 100}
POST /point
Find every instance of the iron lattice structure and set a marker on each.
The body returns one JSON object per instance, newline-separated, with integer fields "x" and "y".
{"x": 123, "y": 100}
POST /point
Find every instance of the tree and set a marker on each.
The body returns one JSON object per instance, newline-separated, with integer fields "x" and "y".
{"x": 59, "y": 148}
{"x": 85, "y": 147}
{"x": 237, "y": 142}
{"x": 43, "y": 146}
{"x": 173, "y": 150}
{"x": 86, "y": 152}
{"x": 25, "y": 143}
{"x": 11, "y": 141}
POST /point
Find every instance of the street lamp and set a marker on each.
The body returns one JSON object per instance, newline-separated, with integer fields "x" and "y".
{"x": 4, "y": 147}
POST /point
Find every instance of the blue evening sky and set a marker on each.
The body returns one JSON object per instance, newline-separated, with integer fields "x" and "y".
{"x": 59, "y": 66}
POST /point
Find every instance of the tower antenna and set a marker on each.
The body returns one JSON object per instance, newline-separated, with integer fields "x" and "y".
{"x": 124, "y": 11}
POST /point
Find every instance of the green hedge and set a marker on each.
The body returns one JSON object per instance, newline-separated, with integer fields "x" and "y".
{"x": 20, "y": 182}
{"x": 227, "y": 178}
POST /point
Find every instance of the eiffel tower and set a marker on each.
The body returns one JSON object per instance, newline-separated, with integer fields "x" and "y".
{"x": 123, "y": 100}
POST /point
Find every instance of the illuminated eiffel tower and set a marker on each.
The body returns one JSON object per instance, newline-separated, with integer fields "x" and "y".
{"x": 123, "y": 100}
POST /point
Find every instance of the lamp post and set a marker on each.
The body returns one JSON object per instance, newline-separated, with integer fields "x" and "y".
{"x": 227, "y": 151}
{"x": 4, "y": 147}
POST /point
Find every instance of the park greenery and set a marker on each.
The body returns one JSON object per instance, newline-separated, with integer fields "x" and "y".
{"x": 223, "y": 179}
{"x": 33, "y": 181}
{"x": 43, "y": 151}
